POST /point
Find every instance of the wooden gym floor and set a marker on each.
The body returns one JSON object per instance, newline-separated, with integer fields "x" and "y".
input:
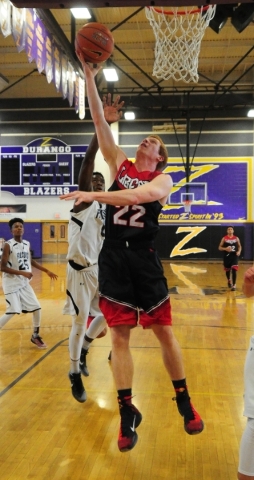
{"x": 46, "y": 434}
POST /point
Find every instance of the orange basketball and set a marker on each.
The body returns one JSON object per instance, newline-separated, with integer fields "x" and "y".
{"x": 94, "y": 42}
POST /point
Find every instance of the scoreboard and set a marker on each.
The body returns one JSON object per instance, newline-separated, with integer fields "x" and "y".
{"x": 46, "y": 166}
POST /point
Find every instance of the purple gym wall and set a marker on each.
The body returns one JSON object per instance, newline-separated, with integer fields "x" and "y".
{"x": 227, "y": 191}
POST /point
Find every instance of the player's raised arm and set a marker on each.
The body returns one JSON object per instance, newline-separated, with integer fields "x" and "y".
{"x": 110, "y": 151}
{"x": 87, "y": 166}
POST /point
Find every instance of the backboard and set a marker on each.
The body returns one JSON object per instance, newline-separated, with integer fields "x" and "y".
{"x": 195, "y": 192}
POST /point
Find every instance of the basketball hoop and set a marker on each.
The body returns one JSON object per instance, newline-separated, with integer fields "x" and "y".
{"x": 187, "y": 206}
{"x": 178, "y": 36}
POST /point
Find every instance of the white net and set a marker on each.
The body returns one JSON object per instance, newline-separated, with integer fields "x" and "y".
{"x": 187, "y": 206}
{"x": 178, "y": 36}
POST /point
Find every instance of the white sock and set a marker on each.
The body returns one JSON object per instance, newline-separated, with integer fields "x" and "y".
{"x": 36, "y": 320}
{"x": 75, "y": 344}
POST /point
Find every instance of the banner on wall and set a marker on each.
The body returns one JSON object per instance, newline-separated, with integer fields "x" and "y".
{"x": 5, "y": 17}
{"x": 8, "y": 211}
{"x": 226, "y": 181}
{"x": 30, "y": 34}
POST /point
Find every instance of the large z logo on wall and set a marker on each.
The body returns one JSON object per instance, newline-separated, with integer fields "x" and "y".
{"x": 192, "y": 232}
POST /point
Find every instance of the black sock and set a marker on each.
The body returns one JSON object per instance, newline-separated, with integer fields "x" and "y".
{"x": 88, "y": 339}
{"x": 234, "y": 276}
{"x": 179, "y": 384}
{"x": 36, "y": 331}
{"x": 125, "y": 396}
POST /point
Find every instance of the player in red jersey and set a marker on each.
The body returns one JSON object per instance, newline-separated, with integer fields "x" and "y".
{"x": 231, "y": 246}
{"x": 131, "y": 281}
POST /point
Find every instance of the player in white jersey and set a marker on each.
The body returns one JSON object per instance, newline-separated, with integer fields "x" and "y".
{"x": 16, "y": 265}
{"x": 86, "y": 233}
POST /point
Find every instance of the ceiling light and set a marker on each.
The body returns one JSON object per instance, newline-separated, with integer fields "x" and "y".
{"x": 250, "y": 113}
{"x": 81, "y": 13}
{"x": 110, "y": 74}
{"x": 129, "y": 116}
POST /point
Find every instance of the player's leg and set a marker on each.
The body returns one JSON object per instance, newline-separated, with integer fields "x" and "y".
{"x": 74, "y": 306}
{"x": 122, "y": 368}
{"x": 117, "y": 303}
{"x": 156, "y": 313}
{"x": 246, "y": 458}
{"x": 75, "y": 344}
{"x": 96, "y": 326}
{"x": 12, "y": 307}
{"x": 36, "y": 338}
{"x": 172, "y": 358}
{"x": 5, "y": 319}
{"x": 234, "y": 274}
{"x": 30, "y": 303}
{"x": 81, "y": 288}
{"x": 228, "y": 272}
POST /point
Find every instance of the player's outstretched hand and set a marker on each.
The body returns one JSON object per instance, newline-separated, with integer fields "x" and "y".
{"x": 79, "y": 196}
{"x": 112, "y": 110}
{"x": 248, "y": 282}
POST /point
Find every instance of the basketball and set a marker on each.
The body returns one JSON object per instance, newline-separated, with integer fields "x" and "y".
{"x": 94, "y": 42}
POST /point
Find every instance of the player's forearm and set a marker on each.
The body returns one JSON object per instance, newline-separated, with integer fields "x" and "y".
{"x": 38, "y": 266}
{"x": 105, "y": 137}
{"x": 135, "y": 196}
{"x": 92, "y": 149}
{"x": 95, "y": 105}
{"x": 11, "y": 271}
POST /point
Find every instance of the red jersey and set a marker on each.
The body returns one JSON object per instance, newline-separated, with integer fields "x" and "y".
{"x": 132, "y": 222}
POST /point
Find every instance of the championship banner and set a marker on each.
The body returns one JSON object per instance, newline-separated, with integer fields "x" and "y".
{"x": 39, "y": 45}
{"x": 76, "y": 95}
{"x": 49, "y": 62}
{"x": 30, "y": 34}
{"x": 18, "y": 27}
{"x": 57, "y": 66}
{"x": 81, "y": 108}
{"x": 64, "y": 75}
{"x": 5, "y": 17}
{"x": 71, "y": 79}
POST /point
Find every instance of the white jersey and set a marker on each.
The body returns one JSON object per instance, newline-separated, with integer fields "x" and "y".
{"x": 19, "y": 259}
{"x": 85, "y": 236}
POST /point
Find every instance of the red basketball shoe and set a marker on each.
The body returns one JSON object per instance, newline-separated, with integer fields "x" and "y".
{"x": 193, "y": 424}
{"x": 130, "y": 419}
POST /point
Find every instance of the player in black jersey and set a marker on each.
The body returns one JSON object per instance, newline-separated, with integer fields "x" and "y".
{"x": 231, "y": 247}
{"x": 131, "y": 281}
